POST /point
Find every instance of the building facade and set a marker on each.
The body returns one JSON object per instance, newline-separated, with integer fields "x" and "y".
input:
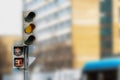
{"x": 6, "y": 52}
{"x": 84, "y": 30}
{"x": 95, "y": 30}
{"x": 109, "y": 27}
{"x": 53, "y": 31}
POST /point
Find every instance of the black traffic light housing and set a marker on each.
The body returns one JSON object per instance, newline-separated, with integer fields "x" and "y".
{"x": 28, "y": 30}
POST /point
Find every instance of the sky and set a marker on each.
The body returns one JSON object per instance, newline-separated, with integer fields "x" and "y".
{"x": 10, "y": 17}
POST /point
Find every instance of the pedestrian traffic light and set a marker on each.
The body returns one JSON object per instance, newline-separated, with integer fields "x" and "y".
{"x": 29, "y": 28}
{"x": 19, "y": 62}
{"x": 18, "y": 55}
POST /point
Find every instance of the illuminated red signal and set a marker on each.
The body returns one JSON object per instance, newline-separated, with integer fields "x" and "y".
{"x": 19, "y": 62}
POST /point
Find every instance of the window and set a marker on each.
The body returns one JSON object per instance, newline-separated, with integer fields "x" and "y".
{"x": 106, "y": 46}
{"x": 59, "y": 2}
{"x": 119, "y": 14}
{"x": 106, "y": 19}
{"x": 110, "y": 74}
{"x": 51, "y": 5}
{"x": 63, "y": 25}
{"x": 106, "y": 6}
{"x": 52, "y": 16}
{"x": 40, "y": 10}
{"x": 102, "y": 14}
{"x": 67, "y": 23}
{"x": 102, "y": 0}
{"x": 106, "y": 32}
{"x": 66, "y": 11}
{"x": 64, "y": 37}
{"x": 32, "y": 3}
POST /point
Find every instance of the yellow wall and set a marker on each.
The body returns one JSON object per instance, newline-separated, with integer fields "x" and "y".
{"x": 85, "y": 31}
{"x": 116, "y": 26}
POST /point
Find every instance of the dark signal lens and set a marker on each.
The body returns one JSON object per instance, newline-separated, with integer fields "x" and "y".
{"x": 30, "y": 17}
{"x": 30, "y": 40}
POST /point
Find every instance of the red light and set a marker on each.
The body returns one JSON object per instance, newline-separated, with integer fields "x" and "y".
{"x": 18, "y": 62}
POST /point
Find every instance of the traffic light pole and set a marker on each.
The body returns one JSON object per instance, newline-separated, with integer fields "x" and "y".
{"x": 26, "y": 71}
{"x": 28, "y": 38}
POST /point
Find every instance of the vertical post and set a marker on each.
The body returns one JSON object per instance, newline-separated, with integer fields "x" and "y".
{"x": 118, "y": 73}
{"x": 26, "y": 74}
{"x": 26, "y": 71}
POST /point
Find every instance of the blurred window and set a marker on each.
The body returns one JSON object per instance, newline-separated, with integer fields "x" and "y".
{"x": 106, "y": 6}
{"x": 33, "y": 2}
{"x": 59, "y": 2}
{"x": 106, "y": 19}
{"x": 56, "y": 27}
{"x": 57, "y": 39}
{"x": 64, "y": 37}
{"x": 102, "y": 75}
{"x": 66, "y": 11}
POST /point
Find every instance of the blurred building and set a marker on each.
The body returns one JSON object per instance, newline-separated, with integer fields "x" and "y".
{"x": 109, "y": 28}
{"x": 8, "y": 42}
{"x": 85, "y": 31}
{"x": 53, "y": 32}
{"x": 95, "y": 30}
{"x": 72, "y": 32}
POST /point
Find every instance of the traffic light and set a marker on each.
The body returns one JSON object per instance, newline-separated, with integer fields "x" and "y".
{"x": 18, "y": 56}
{"x": 29, "y": 28}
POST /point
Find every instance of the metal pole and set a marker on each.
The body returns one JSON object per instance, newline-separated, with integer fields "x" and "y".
{"x": 26, "y": 71}
{"x": 118, "y": 73}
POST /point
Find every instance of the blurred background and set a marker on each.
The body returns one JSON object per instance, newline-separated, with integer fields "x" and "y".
{"x": 69, "y": 33}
